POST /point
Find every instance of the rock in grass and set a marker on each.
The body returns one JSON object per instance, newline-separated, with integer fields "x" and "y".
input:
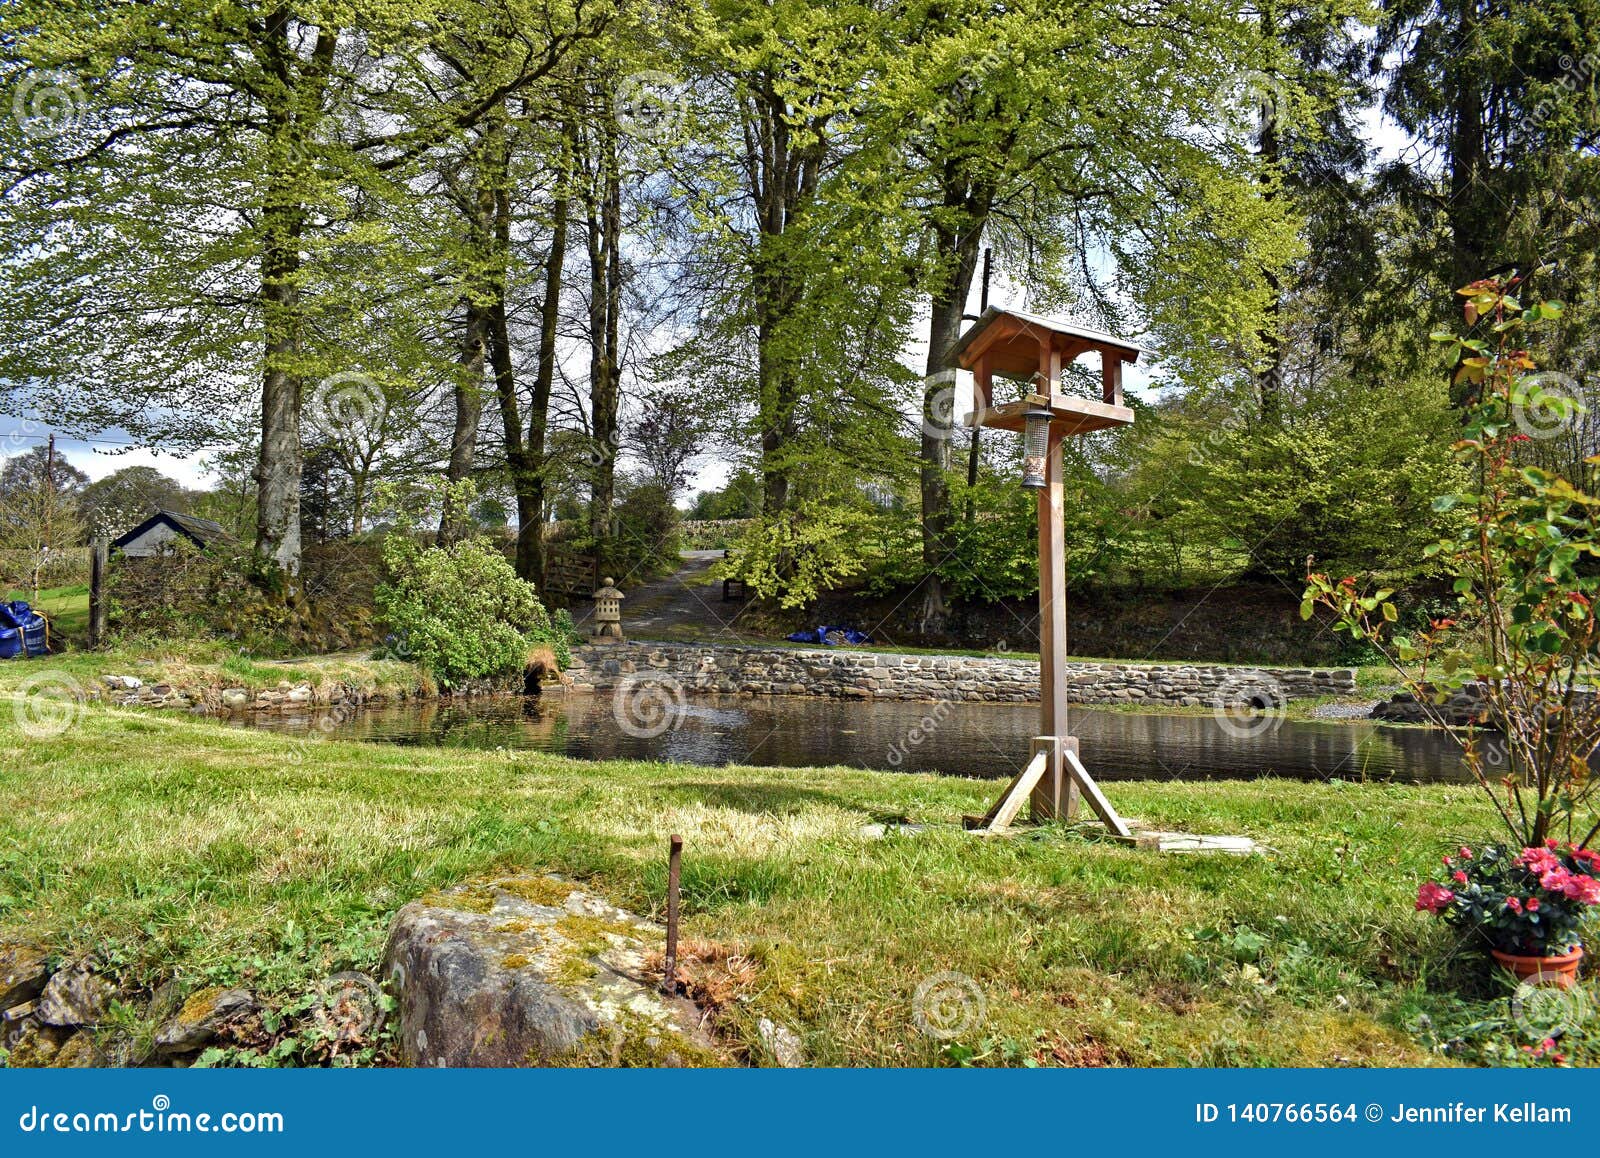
{"x": 75, "y": 996}
{"x": 77, "y": 1052}
{"x": 782, "y": 1043}
{"x": 24, "y": 969}
{"x": 531, "y": 970}
{"x": 200, "y": 1018}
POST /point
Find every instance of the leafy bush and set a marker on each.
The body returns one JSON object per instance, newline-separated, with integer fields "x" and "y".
{"x": 461, "y": 611}
{"x": 1525, "y": 629}
{"x": 808, "y": 549}
{"x": 648, "y": 539}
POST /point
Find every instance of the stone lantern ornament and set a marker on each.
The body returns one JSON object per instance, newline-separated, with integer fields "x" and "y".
{"x": 607, "y": 614}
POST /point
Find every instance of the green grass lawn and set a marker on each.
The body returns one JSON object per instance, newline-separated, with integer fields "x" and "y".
{"x": 177, "y": 848}
{"x": 67, "y": 608}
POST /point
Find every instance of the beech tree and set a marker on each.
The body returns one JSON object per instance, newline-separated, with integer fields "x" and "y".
{"x": 197, "y": 197}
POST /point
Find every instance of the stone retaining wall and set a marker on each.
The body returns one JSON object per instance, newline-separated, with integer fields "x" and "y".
{"x": 852, "y": 674}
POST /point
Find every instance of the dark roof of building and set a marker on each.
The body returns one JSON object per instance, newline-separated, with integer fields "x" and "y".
{"x": 202, "y": 532}
{"x": 1053, "y": 325}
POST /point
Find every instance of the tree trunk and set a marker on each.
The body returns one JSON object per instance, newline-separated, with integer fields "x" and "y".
{"x": 958, "y": 256}
{"x": 1269, "y": 379}
{"x": 455, "y": 522}
{"x": 290, "y": 121}
{"x": 278, "y": 465}
{"x": 484, "y": 288}
{"x": 604, "y": 221}
{"x": 531, "y": 490}
{"x": 783, "y": 178}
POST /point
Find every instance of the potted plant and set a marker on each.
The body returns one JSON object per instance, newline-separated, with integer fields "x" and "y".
{"x": 1529, "y": 906}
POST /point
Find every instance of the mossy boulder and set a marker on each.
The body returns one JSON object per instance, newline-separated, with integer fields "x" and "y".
{"x": 200, "y": 1018}
{"x": 76, "y": 996}
{"x": 24, "y": 969}
{"x": 531, "y": 970}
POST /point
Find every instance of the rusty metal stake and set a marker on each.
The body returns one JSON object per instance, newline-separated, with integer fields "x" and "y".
{"x": 669, "y": 980}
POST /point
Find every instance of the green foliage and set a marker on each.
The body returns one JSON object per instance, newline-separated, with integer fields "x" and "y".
{"x": 647, "y": 541}
{"x": 461, "y": 611}
{"x": 807, "y": 549}
{"x": 1523, "y": 564}
{"x": 739, "y": 498}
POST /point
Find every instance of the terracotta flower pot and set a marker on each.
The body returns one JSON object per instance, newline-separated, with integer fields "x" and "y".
{"x": 1556, "y": 972}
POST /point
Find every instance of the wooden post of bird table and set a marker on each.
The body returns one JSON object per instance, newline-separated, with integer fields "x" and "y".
{"x": 1034, "y": 350}
{"x": 1055, "y": 796}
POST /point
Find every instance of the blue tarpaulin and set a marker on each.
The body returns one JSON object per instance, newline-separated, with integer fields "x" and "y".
{"x": 830, "y": 636}
{"x": 23, "y": 631}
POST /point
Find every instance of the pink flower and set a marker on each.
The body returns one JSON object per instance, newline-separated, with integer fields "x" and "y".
{"x": 1513, "y": 904}
{"x": 1466, "y": 853}
{"x": 1531, "y": 904}
{"x": 1432, "y": 898}
{"x": 1459, "y": 877}
{"x": 1447, "y": 861}
{"x": 1584, "y": 890}
{"x": 1540, "y": 861}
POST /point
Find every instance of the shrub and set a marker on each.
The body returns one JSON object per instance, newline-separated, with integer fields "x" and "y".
{"x": 1525, "y": 628}
{"x": 461, "y": 611}
{"x": 1533, "y": 902}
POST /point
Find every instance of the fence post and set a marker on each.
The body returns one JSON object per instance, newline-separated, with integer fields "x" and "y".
{"x": 99, "y": 560}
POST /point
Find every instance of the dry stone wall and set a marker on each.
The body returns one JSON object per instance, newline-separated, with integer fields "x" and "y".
{"x": 852, "y": 674}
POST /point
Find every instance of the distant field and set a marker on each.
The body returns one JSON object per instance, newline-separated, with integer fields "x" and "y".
{"x": 67, "y": 608}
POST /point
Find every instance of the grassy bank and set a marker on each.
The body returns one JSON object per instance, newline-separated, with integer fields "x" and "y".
{"x": 197, "y": 664}
{"x": 177, "y": 848}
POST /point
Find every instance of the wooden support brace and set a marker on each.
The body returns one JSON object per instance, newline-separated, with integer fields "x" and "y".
{"x": 1096, "y": 798}
{"x": 1005, "y": 810}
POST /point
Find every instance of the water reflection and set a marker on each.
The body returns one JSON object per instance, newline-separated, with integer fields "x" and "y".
{"x": 985, "y": 740}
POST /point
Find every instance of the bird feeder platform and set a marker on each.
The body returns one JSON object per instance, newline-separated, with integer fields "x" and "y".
{"x": 1069, "y": 415}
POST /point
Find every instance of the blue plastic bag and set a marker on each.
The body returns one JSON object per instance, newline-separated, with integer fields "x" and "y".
{"x": 829, "y": 636}
{"x": 31, "y": 627}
